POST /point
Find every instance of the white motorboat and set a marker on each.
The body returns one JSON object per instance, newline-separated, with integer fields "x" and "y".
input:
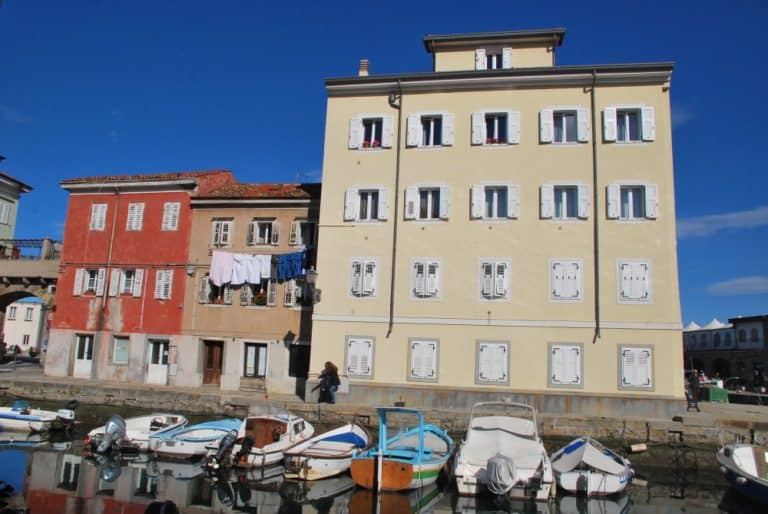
{"x": 502, "y": 454}
{"x": 745, "y": 466}
{"x": 22, "y": 417}
{"x": 584, "y": 466}
{"x": 327, "y": 454}
{"x": 131, "y": 434}
{"x": 190, "y": 441}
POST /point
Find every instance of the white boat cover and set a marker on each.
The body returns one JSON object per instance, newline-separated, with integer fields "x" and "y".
{"x": 589, "y": 452}
{"x": 500, "y": 474}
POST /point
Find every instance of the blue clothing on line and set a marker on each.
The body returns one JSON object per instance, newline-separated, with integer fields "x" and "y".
{"x": 290, "y": 265}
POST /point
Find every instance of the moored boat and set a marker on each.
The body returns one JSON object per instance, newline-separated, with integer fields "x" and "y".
{"x": 745, "y": 466}
{"x": 131, "y": 434}
{"x": 190, "y": 441}
{"x": 409, "y": 459}
{"x": 327, "y": 454}
{"x": 586, "y": 467}
{"x": 22, "y": 417}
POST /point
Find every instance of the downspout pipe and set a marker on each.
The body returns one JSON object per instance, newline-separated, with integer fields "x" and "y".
{"x": 595, "y": 219}
{"x": 396, "y": 102}
{"x": 108, "y": 269}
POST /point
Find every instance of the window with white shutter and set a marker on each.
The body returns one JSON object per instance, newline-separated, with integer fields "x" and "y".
{"x": 359, "y": 358}
{"x": 260, "y": 232}
{"x": 425, "y": 278}
{"x": 636, "y": 367}
{"x": 370, "y": 131}
{"x": 631, "y": 202}
{"x": 563, "y": 125}
{"x": 171, "y": 212}
{"x": 5, "y": 212}
{"x": 362, "y": 279}
{"x": 429, "y": 130}
{"x": 492, "y": 363}
{"x": 98, "y": 216}
{"x": 271, "y": 292}
{"x": 634, "y": 282}
{"x": 289, "y": 293}
{"x": 427, "y": 203}
{"x": 222, "y": 232}
{"x": 494, "y": 279}
{"x": 423, "y": 360}
{"x": 566, "y": 280}
{"x": 564, "y": 201}
{"x": 163, "y": 284}
{"x": 565, "y": 364}
{"x": 135, "y": 217}
{"x": 629, "y": 124}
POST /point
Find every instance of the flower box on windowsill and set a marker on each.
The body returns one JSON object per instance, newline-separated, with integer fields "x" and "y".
{"x": 372, "y": 144}
{"x": 260, "y": 299}
{"x": 495, "y": 141}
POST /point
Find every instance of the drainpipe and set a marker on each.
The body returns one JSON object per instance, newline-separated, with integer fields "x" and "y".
{"x": 595, "y": 220}
{"x": 396, "y": 102}
{"x": 108, "y": 270}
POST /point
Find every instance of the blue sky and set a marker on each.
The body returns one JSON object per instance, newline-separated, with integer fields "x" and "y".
{"x": 95, "y": 87}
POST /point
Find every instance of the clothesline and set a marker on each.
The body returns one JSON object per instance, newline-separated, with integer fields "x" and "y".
{"x": 242, "y": 268}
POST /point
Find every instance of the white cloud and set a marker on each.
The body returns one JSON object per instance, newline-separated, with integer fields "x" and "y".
{"x": 708, "y": 225}
{"x": 681, "y": 116}
{"x": 739, "y": 286}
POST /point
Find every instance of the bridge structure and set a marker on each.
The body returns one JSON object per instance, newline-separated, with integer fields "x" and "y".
{"x": 28, "y": 267}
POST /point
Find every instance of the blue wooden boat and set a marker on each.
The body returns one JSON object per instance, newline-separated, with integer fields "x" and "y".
{"x": 191, "y": 441}
{"x": 745, "y": 466}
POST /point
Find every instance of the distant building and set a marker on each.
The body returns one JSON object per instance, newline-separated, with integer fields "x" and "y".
{"x": 734, "y": 349}
{"x": 10, "y": 192}
{"x": 26, "y": 324}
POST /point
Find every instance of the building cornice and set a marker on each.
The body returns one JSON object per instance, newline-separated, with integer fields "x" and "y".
{"x": 138, "y": 186}
{"x": 219, "y": 202}
{"x": 434, "y": 42}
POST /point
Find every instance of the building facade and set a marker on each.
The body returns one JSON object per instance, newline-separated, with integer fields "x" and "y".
{"x": 501, "y": 225}
{"x": 120, "y": 291}
{"x": 10, "y": 192}
{"x": 26, "y": 325}
{"x": 735, "y": 349}
{"x": 249, "y": 333}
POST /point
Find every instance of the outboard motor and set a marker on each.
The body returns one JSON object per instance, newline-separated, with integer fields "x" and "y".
{"x": 109, "y": 467}
{"x": 215, "y": 461}
{"x": 114, "y": 433}
{"x": 500, "y": 474}
{"x": 245, "y": 449}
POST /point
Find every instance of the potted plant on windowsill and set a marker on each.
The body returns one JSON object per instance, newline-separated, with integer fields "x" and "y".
{"x": 260, "y": 298}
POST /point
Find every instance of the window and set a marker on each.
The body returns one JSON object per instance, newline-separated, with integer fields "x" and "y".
{"x": 255, "y": 365}
{"x": 564, "y": 202}
{"x": 222, "y": 232}
{"x": 12, "y": 312}
{"x": 427, "y": 203}
{"x": 303, "y": 233}
{"x": 753, "y": 334}
{"x": 492, "y": 362}
{"x": 209, "y": 293}
{"x": 135, "y": 216}
{"x": 362, "y": 280}
{"x": 432, "y": 130}
{"x": 634, "y": 282}
{"x": 70, "y": 472}
{"x": 563, "y": 125}
{"x": 289, "y": 293}
{"x": 163, "y": 284}
{"x": 566, "y": 280}
{"x": 493, "y": 58}
{"x": 495, "y": 127}
{"x": 84, "y": 347}
{"x": 263, "y": 232}
{"x": 25, "y": 340}
{"x": 632, "y": 202}
{"x": 366, "y": 204}
{"x": 429, "y": 130}
{"x": 126, "y": 282}
{"x": 171, "y": 216}
{"x": 742, "y": 335}
{"x": 5, "y": 212}
{"x": 495, "y": 202}
{"x": 629, "y": 124}
{"x": 636, "y": 367}
{"x": 30, "y": 311}
{"x": 425, "y": 278}
{"x": 120, "y": 349}
{"x": 370, "y": 131}
{"x": 98, "y": 216}
{"x": 298, "y": 359}
{"x": 250, "y": 294}
{"x": 158, "y": 352}
{"x": 727, "y": 339}
{"x": 359, "y": 358}
{"x": 89, "y": 281}
{"x": 423, "y": 360}
{"x": 494, "y": 279}
{"x": 565, "y": 364}
{"x": 717, "y": 340}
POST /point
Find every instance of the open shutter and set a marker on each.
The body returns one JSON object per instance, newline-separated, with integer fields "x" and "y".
{"x": 506, "y": 58}
{"x": 77, "y": 289}
{"x": 356, "y": 279}
{"x": 651, "y": 201}
{"x": 583, "y": 201}
{"x": 477, "y": 208}
{"x": 649, "y": 123}
{"x": 411, "y": 202}
{"x": 138, "y": 282}
{"x": 246, "y": 294}
{"x": 387, "y": 131}
{"x": 293, "y": 235}
{"x": 480, "y": 61}
{"x": 383, "y": 210}
{"x": 275, "y": 235}
{"x": 418, "y": 278}
{"x": 413, "y": 131}
{"x": 433, "y": 279}
{"x": 609, "y": 124}
{"x": 487, "y": 278}
{"x": 478, "y": 128}
{"x": 229, "y": 292}
{"x": 612, "y": 192}
{"x": 355, "y": 132}
{"x": 582, "y": 125}
{"x": 168, "y": 284}
{"x": 448, "y": 129}
{"x": 546, "y": 126}
{"x": 114, "y": 281}
{"x": 369, "y": 278}
{"x": 250, "y": 237}
{"x": 513, "y": 127}
{"x": 500, "y": 279}
{"x": 351, "y": 204}
{"x": 100, "y": 281}
{"x": 513, "y": 201}
{"x": 271, "y": 292}
{"x": 224, "y": 228}
{"x": 445, "y": 202}
{"x": 547, "y": 201}
{"x": 289, "y": 299}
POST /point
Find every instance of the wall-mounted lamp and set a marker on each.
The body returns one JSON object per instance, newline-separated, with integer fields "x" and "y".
{"x": 190, "y": 270}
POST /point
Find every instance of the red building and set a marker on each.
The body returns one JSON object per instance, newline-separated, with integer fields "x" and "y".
{"x": 120, "y": 291}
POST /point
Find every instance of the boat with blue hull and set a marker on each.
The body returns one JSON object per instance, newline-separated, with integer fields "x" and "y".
{"x": 327, "y": 454}
{"x": 190, "y": 441}
{"x": 22, "y": 417}
{"x": 745, "y": 466}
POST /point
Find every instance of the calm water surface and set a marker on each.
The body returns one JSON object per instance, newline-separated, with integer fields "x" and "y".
{"x": 52, "y": 476}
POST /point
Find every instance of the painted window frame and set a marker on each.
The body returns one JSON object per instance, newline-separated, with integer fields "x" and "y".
{"x": 632, "y": 264}
{"x": 435, "y": 374}
{"x": 636, "y": 348}
{"x": 118, "y": 339}
{"x": 356, "y": 371}
{"x": 171, "y": 216}
{"x": 479, "y": 349}
{"x": 134, "y": 219}
{"x": 578, "y": 381}
{"x": 579, "y": 279}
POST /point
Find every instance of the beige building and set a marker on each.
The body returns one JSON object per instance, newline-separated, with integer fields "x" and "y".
{"x": 242, "y": 331}
{"x": 501, "y": 225}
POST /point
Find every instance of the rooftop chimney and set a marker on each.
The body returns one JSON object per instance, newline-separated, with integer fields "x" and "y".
{"x": 363, "y": 72}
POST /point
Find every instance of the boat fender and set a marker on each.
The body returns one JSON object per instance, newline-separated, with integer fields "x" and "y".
{"x": 72, "y": 405}
{"x": 500, "y": 474}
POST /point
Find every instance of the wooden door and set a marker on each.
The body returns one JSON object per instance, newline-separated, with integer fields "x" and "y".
{"x": 214, "y": 351}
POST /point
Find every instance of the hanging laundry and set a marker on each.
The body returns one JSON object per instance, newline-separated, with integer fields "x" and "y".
{"x": 290, "y": 265}
{"x": 253, "y": 269}
{"x": 241, "y": 264}
{"x": 265, "y": 265}
{"x": 221, "y": 268}
{"x": 273, "y": 266}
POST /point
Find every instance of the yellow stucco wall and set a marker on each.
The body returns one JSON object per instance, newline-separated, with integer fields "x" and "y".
{"x": 522, "y": 57}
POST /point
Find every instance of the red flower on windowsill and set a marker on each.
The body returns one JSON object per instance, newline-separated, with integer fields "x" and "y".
{"x": 372, "y": 144}
{"x": 494, "y": 141}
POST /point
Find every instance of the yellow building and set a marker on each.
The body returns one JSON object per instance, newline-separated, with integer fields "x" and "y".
{"x": 501, "y": 226}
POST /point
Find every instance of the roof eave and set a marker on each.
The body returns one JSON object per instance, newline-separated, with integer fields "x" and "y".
{"x": 135, "y": 185}
{"x": 431, "y": 41}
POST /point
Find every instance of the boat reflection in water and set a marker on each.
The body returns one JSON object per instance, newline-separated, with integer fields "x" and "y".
{"x": 416, "y": 501}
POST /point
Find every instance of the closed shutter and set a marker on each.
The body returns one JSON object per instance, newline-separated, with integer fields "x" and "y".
{"x": 612, "y": 193}
{"x": 547, "y": 201}
{"x": 229, "y": 293}
{"x": 417, "y": 278}
{"x": 356, "y": 278}
{"x": 387, "y": 132}
{"x": 643, "y": 278}
{"x": 500, "y": 279}
{"x": 445, "y": 202}
{"x": 651, "y": 201}
{"x": 546, "y": 126}
{"x": 609, "y": 124}
{"x": 644, "y": 368}
{"x": 275, "y": 235}
{"x": 513, "y": 201}
{"x": 492, "y": 362}
{"x": 625, "y": 278}
{"x": 250, "y": 236}
{"x": 77, "y": 289}
{"x": 582, "y": 125}
{"x": 480, "y": 61}
{"x": 433, "y": 279}
{"x": 477, "y": 207}
{"x": 138, "y": 282}
{"x": 355, "y": 132}
{"x": 571, "y": 365}
{"x": 487, "y": 279}
{"x": 478, "y": 128}
{"x": 383, "y": 203}
{"x": 289, "y": 298}
{"x": 628, "y": 373}
{"x": 423, "y": 359}
{"x": 170, "y": 216}
{"x": 293, "y": 235}
{"x": 5, "y": 212}
{"x": 159, "y": 284}
{"x": 557, "y": 364}
{"x": 413, "y": 131}
{"x": 506, "y": 58}
{"x": 351, "y": 204}
{"x": 246, "y": 294}
{"x": 359, "y": 356}
{"x": 448, "y": 129}
{"x": 649, "y": 123}
{"x": 131, "y": 218}
{"x": 114, "y": 281}
{"x": 583, "y": 191}
{"x": 168, "y": 284}
{"x": 271, "y": 292}
{"x": 558, "y": 280}
{"x": 513, "y": 127}
{"x": 636, "y": 367}
{"x": 369, "y": 278}
{"x": 411, "y": 202}
{"x": 572, "y": 280}
{"x": 101, "y": 277}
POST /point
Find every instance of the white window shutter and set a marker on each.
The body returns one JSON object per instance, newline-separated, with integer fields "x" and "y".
{"x": 411, "y": 202}
{"x": 100, "y": 281}
{"x": 275, "y": 236}
{"x": 644, "y": 368}
{"x": 612, "y": 193}
{"x": 500, "y": 279}
{"x": 643, "y": 274}
{"x": 547, "y": 201}
{"x": 506, "y": 58}
{"x": 445, "y": 202}
{"x": 170, "y": 216}
{"x": 448, "y": 129}
{"x": 557, "y": 364}
{"x": 387, "y": 131}
{"x": 417, "y": 278}
{"x": 271, "y": 292}
{"x": 513, "y": 127}
{"x": 423, "y": 359}
{"x": 168, "y": 285}
{"x": 114, "y": 281}
{"x": 77, "y": 289}
{"x": 492, "y": 362}
{"x": 356, "y": 278}
{"x": 573, "y": 280}
{"x": 138, "y": 282}
{"x": 513, "y": 201}
{"x": 558, "y": 280}
{"x": 159, "y": 283}
{"x": 651, "y": 201}
{"x": 546, "y": 126}
{"x": 609, "y": 124}
{"x": 229, "y": 293}
{"x": 625, "y": 276}
{"x": 130, "y": 219}
{"x": 351, "y": 202}
{"x": 649, "y": 123}
{"x": 628, "y": 367}
{"x": 293, "y": 235}
{"x": 583, "y": 201}
{"x": 369, "y": 278}
{"x": 477, "y": 208}
{"x": 433, "y": 278}
{"x": 355, "y": 132}
{"x": 572, "y": 365}
{"x": 413, "y": 131}
{"x": 224, "y": 228}
{"x": 250, "y": 237}
{"x": 487, "y": 278}
{"x": 478, "y": 128}
{"x": 480, "y": 62}
{"x": 289, "y": 299}
{"x": 139, "y": 221}
{"x": 359, "y": 356}
{"x": 383, "y": 203}
{"x": 582, "y": 125}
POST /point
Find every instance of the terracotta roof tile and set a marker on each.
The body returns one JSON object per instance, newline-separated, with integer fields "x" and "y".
{"x": 152, "y": 177}
{"x": 264, "y": 190}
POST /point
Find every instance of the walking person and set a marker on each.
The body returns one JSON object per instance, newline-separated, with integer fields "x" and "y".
{"x": 329, "y": 383}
